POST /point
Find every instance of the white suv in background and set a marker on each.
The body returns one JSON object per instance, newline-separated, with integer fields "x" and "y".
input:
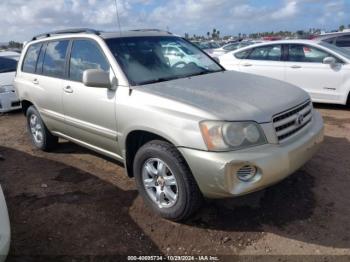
{"x": 8, "y": 97}
{"x": 321, "y": 69}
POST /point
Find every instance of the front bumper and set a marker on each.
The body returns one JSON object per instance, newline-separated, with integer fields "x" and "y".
{"x": 5, "y": 234}
{"x": 9, "y": 101}
{"x": 215, "y": 172}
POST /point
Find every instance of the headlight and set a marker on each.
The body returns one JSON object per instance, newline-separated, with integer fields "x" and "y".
{"x": 6, "y": 89}
{"x": 223, "y": 136}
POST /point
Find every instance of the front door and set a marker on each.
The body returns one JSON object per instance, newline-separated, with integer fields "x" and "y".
{"x": 305, "y": 69}
{"x": 90, "y": 115}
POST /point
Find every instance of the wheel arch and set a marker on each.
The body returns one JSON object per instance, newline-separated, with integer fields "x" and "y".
{"x": 25, "y": 105}
{"x": 134, "y": 140}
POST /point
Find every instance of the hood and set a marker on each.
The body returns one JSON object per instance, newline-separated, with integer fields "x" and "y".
{"x": 7, "y": 78}
{"x": 231, "y": 96}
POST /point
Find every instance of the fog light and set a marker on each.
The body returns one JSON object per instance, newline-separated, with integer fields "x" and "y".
{"x": 246, "y": 173}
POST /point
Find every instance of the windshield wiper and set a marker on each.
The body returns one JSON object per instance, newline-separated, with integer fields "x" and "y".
{"x": 157, "y": 80}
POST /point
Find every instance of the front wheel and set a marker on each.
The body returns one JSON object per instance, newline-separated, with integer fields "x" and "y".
{"x": 40, "y": 135}
{"x": 165, "y": 181}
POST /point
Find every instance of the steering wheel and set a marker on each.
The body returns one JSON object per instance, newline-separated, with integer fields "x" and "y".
{"x": 179, "y": 64}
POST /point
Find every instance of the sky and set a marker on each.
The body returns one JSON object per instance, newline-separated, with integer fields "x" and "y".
{"x": 21, "y": 19}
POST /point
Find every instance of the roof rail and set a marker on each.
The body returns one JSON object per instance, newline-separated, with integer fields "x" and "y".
{"x": 150, "y": 30}
{"x": 67, "y": 31}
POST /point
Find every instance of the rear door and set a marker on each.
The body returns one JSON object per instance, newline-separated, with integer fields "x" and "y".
{"x": 89, "y": 111}
{"x": 305, "y": 69}
{"x": 266, "y": 61}
{"x": 42, "y": 72}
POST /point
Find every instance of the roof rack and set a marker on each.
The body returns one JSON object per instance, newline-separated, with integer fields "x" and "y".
{"x": 151, "y": 30}
{"x": 67, "y": 31}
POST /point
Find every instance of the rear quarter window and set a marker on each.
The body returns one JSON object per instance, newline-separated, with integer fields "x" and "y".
{"x": 31, "y": 57}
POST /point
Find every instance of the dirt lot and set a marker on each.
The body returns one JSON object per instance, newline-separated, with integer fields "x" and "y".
{"x": 74, "y": 202}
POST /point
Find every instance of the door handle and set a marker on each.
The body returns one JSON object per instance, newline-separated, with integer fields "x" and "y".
{"x": 295, "y": 67}
{"x": 36, "y": 81}
{"x": 246, "y": 64}
{"x": 68, "y": 89}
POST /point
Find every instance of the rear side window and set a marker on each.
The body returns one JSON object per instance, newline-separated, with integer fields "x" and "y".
{"x": 31, "y": 58}
{"x": 85, "y": 55}
{"x": 54, "y": 60}
{"x": 330, "y": 40}
{"x": 266, "y": 53}
{"x": 243, "y": 54}
{"x": 343, "y": 41}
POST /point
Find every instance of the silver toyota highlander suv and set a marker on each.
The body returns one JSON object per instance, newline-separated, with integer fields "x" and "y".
{"x": 185, "y": 130}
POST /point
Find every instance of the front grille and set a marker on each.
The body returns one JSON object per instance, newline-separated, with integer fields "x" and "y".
{"x": 293, "y": 120}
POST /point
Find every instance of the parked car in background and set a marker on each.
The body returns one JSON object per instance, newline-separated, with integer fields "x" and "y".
{"x": 184, "y": 131}
{"x": 8, "y": 97}
{"x": 321, "y": 69}
{"x": 178, "y": 55}
{"x": 5, "y": 233}
{"x": 231, "y": 47}
{"x": 340, "y": 39}
{"x": 208, "y": 47}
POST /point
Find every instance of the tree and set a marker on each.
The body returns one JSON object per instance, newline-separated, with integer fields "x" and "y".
{"x": 213, "y": 35}
{"x": 218, "y": 34}
{"x": 208, "y": 35}
{"x": 341, "y": 28}
{"x": 187, "y": 36}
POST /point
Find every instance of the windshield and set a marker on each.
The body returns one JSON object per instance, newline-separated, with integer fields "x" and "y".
{"x": 147, "y": 60}
{"x": 7, "y": 65}
{"x": 339, "y": 50}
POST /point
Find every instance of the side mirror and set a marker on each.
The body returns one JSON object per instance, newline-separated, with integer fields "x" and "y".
{"x": 96, "y": 78}
{"x": 329, "y": 60}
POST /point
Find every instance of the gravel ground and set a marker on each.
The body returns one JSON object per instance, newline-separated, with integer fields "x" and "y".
{"x": 73, "y": 202}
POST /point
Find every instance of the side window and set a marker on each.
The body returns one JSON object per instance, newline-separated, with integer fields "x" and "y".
{"x": 267, "y": 53}
{"x": 54, "y": 59}
{"x": 7, "y": 65}
{"x": 230, "y": 47}
{"x": 85, "y": 55}
{"x": 330, "y": 40}
{"x": 31, "y": 57}
{"x": 243, "y": 54}
{"x": 307, "y": 54}
{"x": 343, "y": 41}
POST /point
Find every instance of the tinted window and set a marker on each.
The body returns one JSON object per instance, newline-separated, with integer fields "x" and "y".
{"x": 308, "y": 54}
{"x": 231, "y": 47}
{"x": 7, "y": 65}
{"x": 330, "y": 40}
{"x": 54, "y": 59}
{"x": 85, "y": 55}
{"x": 243, "y": 54}
{"x": 269, "y": 52}
{"x": 30, "y": 59}
{"x": 343, "y": 41}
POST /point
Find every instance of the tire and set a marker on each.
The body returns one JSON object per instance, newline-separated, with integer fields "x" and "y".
{"x": 188, "y": 196}
{"x": 40, "y": 135}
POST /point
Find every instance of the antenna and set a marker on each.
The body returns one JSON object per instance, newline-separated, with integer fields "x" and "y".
{"x": 118, "y": 20}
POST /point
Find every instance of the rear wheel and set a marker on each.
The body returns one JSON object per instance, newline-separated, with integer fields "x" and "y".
{"x": 40, "y": 135}
{"x": 165, "y": 181}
